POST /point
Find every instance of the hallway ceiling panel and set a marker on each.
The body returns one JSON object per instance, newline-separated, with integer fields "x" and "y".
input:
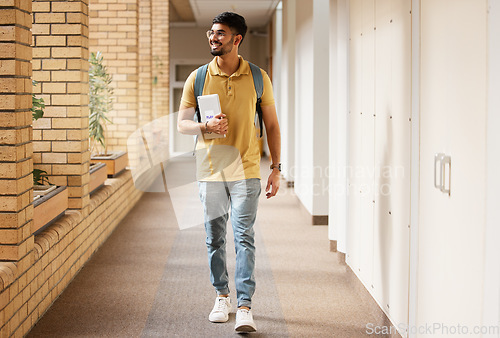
{"x": 257, "y": 13}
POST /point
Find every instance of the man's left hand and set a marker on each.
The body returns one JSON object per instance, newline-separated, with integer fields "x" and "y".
{"x": 273, "y": 183}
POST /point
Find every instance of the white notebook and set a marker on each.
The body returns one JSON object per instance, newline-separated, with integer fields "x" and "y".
{"x": 209, "y": 107}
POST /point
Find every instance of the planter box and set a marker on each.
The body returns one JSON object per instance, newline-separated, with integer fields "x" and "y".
{"x": 98, "y": 175}
{"x": 48, "y": 208}
{"x": 116, "y": 162}
{"x": 42, "y": 190}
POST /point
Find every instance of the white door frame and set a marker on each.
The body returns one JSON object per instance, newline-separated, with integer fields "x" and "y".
{"x": 415, "y": 166}
{"x": 491, "y": 293}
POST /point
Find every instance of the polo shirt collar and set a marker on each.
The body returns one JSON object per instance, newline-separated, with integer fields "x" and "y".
{"x": 243, "y": 69}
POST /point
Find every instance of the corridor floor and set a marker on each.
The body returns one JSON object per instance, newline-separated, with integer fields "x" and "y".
{"x": 151, "y": 279}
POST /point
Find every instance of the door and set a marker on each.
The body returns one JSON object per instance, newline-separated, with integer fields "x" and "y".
{"x": 453, "y": 122}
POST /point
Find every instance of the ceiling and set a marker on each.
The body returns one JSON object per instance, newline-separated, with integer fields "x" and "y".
{"x": 200, "y": 13}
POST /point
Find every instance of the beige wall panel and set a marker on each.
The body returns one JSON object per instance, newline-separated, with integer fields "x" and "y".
{"x": 453, "y": 121}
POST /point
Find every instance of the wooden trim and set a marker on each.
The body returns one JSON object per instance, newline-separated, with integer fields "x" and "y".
{"x": 49, "y": 207}
{"x": 98, "y": 175}
{"x": 115, "y": 164}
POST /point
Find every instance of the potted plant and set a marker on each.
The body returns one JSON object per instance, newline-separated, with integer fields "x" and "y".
{"x": 100, "y": 104}
{"x": 49, "y": 201}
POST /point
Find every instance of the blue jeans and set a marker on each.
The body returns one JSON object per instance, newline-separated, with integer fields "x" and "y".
{"x": 243, "y": 197}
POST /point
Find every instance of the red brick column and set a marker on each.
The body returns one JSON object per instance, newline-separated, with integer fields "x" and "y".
{"x": 60, "y": 64}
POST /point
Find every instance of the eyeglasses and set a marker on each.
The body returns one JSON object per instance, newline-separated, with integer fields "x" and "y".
{"x": 218, "y": 34}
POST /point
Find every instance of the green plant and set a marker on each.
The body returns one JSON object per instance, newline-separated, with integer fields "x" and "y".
{"x": 40, "y": 177}
{"x": 100, "y": 101}
{"x": 158, "y": 65}
{"x": 37, "y": 107}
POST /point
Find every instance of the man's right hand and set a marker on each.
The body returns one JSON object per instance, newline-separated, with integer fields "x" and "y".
{"x": 217, "y": 125}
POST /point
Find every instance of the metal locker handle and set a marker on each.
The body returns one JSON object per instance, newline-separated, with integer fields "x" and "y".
{"x": 446, "y": 160}
{"x": 438, "y": 158}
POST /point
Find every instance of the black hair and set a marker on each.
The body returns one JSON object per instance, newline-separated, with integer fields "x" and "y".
{"x": 234, "y": 21}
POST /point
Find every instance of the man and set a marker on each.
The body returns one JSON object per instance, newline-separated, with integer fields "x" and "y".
{"x": 228, "y": 167}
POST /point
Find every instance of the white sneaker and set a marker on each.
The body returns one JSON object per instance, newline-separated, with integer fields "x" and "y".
{"x": 244, "y": 321}
{"x": 220, "y": 312}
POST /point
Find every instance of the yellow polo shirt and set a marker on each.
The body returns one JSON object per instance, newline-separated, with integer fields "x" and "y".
{"x": 237, "y": 156}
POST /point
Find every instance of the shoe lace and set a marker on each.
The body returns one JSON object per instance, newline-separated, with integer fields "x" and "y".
{"x": 221, "y": 304}
{"x": 243, "y": 314}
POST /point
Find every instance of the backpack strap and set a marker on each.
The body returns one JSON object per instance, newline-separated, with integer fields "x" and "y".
{"x": 258, "y": 83}
{"x": 199, "y": 83}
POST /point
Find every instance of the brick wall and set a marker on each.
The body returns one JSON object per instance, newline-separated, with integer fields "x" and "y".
{"x": 133, "y": 37}
{"x": 160, "y": 52}
{"x": 114, "y": 32}
{"x": 145, "y": 63}
{"x": 60, "y": 65}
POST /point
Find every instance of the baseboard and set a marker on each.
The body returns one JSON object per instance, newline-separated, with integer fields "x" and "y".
{"x": 340, "y": 255}
{"x": 319, "y": 219}
{"x": 333, "y": 246}
{"x": 315, "y": 219}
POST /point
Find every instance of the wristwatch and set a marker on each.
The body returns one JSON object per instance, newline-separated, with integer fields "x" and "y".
{"x": 278, "y": 166}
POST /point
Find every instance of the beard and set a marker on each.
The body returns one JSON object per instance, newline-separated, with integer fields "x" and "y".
{"x": 225, "y": 49}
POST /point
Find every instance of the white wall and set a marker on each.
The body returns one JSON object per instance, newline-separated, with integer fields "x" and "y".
{"x": 287, "y": 99}
{"x": 379, "y": 150}
{"x": 312, "y": 104}
{"x": 277, "y": 53}
{"x": 339, "y": 111}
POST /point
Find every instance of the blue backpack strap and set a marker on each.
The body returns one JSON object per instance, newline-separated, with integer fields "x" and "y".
{"x": 199, "y": 83}
{"x": 258, "y": 82}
